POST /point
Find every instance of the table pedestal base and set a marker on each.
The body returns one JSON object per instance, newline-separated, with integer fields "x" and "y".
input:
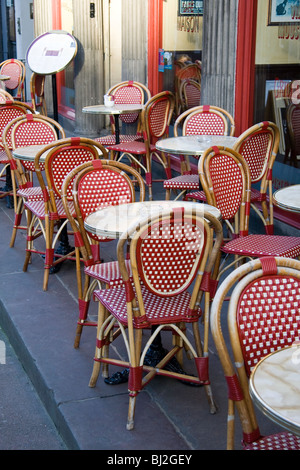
{"x": 154, "y": 355}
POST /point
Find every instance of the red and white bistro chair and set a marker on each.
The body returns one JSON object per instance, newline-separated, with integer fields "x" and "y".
{"x": 262, "y": 316}
{"x": 201, "y": 120}
{"x": 88, "y": 187}
{"x": 171, "y": 258}
{"x": 127, "y": 92}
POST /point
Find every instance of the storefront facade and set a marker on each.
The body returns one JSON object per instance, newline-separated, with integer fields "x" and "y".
{"x": 249, "y": 51}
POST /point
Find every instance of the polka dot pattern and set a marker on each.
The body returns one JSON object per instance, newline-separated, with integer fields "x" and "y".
{"x": 166, "y": 247}
{"x": 268, "y": 311}
{"x": 227, "y": 182}
{"x": 256, "y": 153}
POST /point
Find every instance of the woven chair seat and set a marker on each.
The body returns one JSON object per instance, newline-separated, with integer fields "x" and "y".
{"x": 280, "y": 441}
{"x": 200, "y": 196}
{"x": 183, "y": 182}
{"x": 38, "y": 208}
{"x": 34, "y": 193}
{"x": 159, "y": 310}
{"x": 288, "y": 247}
{"x": 3, "y": 157}
{"x": 111, "y": 139}
{"x": 138, "y": 148}
{"x": 109, "y": 273}
{"x": 196, "y": 196}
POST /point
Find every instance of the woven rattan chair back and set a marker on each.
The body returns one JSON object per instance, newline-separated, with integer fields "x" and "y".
{"x": 37, "y": 93}
{"x": 34, "y": 129}
{"x": 157, "y": 116}
{"x": 225, "y": 178}
{"x": 16, "y": 70}
{"x": 10, "y": 111}
{"x": 293, "y": 131}
{"x": 201, "y": 120}
{"x": 61, "y": 157}
{"x": 129, "y": 92}
{"x": 95, "y": 185}
{"x": 190, "y": 94}
{"x": 170, "y": 253}
{"x": 262, "y": 317}
{"x": 259, "y": 146}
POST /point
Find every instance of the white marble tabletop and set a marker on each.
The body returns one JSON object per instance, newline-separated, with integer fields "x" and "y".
{"x": 112, "y": 221}
{"x": 193, "y": 144}
{"x": 288, "y": 198}
{"x": 28, "y": 153}
{"x": 275, "y": 387}
{"x": 115, "y": 109}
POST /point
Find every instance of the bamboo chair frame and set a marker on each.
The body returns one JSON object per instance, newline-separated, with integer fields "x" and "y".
{"x": 37, "y": 93}
{"x": 87, "y": 245}
{"x": 160, "y": 105}
{"x": 14, "y": 136}
{"x": 122, "y": 95}
{"x": 259, "y": 146}
{"x": 193, "y": 122}
{"x": 9, "y": 110}
{"x": 233, "y": 201}
{"x": 49, "y": 215}
{"x": 137, "y": 315}
{"x": 189, "y": 93}
{"x": 5, "y": 96}
{"x": 233, "y": 355}
{"x": 16, "y": 82}
{"x": 293, "y": 134}
{"x": 261, "y": 171}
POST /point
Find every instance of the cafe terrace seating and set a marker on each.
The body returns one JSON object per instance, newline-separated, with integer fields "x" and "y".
{"x": 293, "y": 134}
{"x": 201, "y": 120}
{"x": 16, "y": 70}
{"x": 226, "y": 181}
{"x": 24, "y": 131}
{"x": 89, "y": 187}
{"x": 9, "y": 110}
{"x": 262, "y": 317}
{"x": 127, "y": 92}
{"x": 62, "y": 156}
{"x": 169, "y": 253}
{"x": 156, "y": 117}
{"x": 259, "y": 146}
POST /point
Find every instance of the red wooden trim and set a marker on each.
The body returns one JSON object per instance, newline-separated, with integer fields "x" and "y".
{"x": 155, "y": 27}
{"x": 245, "y": 65}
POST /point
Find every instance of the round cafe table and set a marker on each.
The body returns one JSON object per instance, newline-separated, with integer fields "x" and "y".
{"x": 114, "y": 111}
{"x": 112, "y": 221}
{"x": 193, "y": 144}
{"x": 288, "y": 198}
{"x": 274, "y": 386}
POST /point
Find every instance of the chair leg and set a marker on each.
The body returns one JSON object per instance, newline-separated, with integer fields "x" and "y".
{"x": 131, "y": 412}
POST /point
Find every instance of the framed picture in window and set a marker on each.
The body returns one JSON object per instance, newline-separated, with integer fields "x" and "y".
{"x": 283, "y": 12}
{"x": 190, "y": 7}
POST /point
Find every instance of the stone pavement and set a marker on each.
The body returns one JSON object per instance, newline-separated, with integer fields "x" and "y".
{"x": 40, "y": 326}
